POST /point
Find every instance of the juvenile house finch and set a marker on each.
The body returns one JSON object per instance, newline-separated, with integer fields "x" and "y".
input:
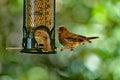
{"x": 70, "y": 40}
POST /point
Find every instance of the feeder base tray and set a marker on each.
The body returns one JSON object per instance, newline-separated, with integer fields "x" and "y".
{"x": 37, "y": 51}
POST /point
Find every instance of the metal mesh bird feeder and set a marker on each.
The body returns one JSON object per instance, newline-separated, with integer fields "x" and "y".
{"x": 39, "y": 26}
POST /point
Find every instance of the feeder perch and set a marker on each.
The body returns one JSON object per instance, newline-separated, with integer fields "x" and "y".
{"x": 39, "y": 26}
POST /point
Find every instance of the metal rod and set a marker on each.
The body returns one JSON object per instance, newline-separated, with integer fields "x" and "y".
{"x": 20, "y": 48}
{"x": 14, "y": 48}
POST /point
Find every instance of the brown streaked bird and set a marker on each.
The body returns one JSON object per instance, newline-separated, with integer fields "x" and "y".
{"x": 71, "y": 40}
{"x": 42, "y": 37}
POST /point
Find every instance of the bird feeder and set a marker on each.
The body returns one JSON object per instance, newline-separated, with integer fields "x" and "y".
{"x": 39, "y": 26}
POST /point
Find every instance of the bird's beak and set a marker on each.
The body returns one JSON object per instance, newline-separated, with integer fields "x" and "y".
{"x": 57, "y": 31}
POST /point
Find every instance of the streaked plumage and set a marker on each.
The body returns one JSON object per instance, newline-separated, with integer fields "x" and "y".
{"x": 71, "y": 40}
{"x": 42, "y": 38}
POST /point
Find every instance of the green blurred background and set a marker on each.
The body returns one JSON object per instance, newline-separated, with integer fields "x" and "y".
{"x": 97, "y": 61}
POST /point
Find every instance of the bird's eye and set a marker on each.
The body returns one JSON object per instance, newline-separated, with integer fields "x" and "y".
{"x": 61, "y": 29}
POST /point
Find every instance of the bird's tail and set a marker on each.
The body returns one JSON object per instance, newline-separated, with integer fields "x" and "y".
{"x": 90, "y": 38}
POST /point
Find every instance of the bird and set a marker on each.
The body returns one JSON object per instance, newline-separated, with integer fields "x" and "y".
{"x": 71, "y": 40}
{"x": 43, "y": 39}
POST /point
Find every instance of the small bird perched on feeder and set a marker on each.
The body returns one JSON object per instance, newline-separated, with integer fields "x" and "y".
{"x": 71, "y": 40}
{"x": 42, "y": 38}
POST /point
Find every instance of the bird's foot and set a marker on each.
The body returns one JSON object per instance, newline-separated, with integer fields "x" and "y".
{"x": 61, "y": 49}
{"x": 71, "y": 49}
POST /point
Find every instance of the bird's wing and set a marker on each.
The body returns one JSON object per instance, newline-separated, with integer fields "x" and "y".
{"x": 76, "y": 35}
{"x": 74, "y": 39}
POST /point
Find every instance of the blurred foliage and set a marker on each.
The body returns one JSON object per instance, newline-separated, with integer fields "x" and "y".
{"x": 97, "y": 61}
